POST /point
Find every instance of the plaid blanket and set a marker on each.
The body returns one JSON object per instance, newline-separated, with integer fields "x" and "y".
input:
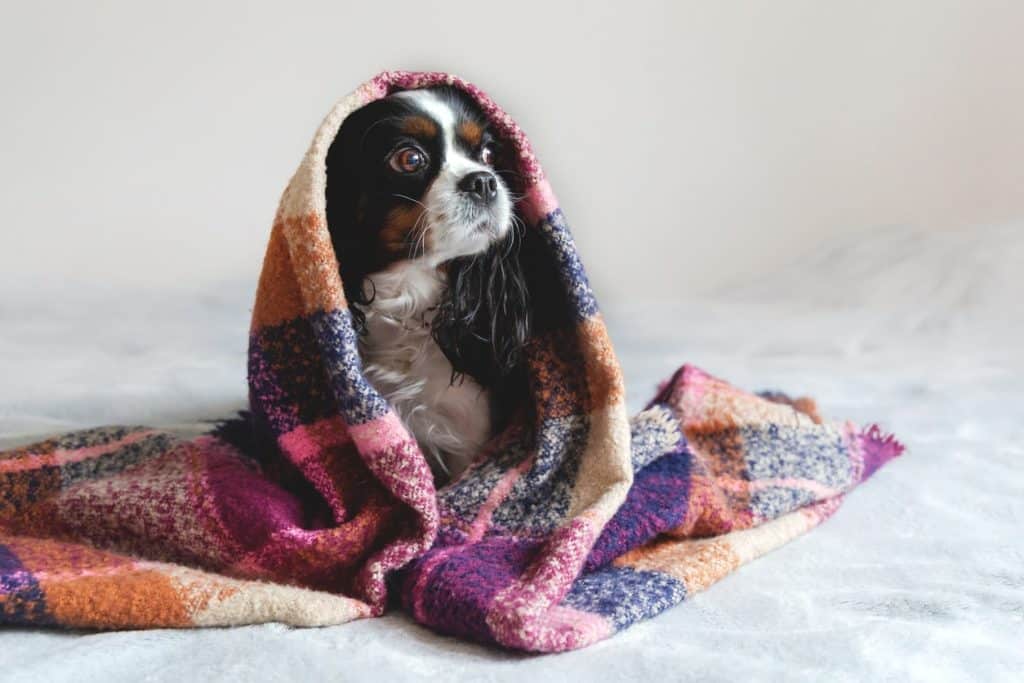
{"x": 317, "y": 507}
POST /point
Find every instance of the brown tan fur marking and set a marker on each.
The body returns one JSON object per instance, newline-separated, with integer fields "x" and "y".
{"x": 419, "y": 126}
{"x": 471, "y": 133}
{"x": 397, "y": 233}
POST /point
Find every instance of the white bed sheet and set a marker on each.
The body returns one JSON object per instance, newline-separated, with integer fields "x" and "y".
{"x": 919, "y": 576}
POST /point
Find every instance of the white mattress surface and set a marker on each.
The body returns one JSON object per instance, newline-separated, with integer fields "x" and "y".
{"x": 920, "y": 576}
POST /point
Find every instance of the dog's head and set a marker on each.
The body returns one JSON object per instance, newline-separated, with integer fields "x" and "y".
{"x": 419, "y": 176}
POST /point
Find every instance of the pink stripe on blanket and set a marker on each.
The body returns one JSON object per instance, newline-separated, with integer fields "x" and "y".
{"x": 540, "y": 200}
{"x": 396, "y": 460}
{"x": 62, "y": 456}
{"x": 565, "y": 628}
{"x": 379, "y": 434}
{"x": 309, "y": 441}
{"x": 688, "y": 393}
{"x": 75, "y": 573}
{"x": 495, "y": 498}
{"x": 823, "y": 509}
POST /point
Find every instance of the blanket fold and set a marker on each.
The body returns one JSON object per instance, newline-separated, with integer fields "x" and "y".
{"x": 317, "y": 507}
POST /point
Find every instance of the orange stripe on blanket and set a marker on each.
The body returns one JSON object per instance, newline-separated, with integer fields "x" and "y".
{"x": 559, "y": 388}
{"x": 277, "y": 299}
{"x": 134, "y": 599}
{"x": 314, "y": 264}
{"x": 605, "y": 385}
{"x": 697, "y": 563}
{"x": 94, "y": 588}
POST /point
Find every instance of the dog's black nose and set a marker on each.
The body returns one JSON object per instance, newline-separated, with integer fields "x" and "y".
{"x": 481, "y": 185}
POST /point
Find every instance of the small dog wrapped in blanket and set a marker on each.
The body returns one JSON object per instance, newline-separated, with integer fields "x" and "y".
{"x": 421, "y": 293}
{"x": 422, "y": 220}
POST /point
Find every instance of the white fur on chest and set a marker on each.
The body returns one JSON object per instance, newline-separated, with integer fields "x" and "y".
{"x": 404, "y": 363}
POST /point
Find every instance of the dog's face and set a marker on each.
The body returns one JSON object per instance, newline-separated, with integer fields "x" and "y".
{"x": 419, "y": 176}
{"x": 412, "y": 176}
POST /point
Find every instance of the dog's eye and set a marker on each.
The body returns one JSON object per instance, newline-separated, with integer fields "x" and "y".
{"x": 487, "y": 155}
{"x": 408, "y": 160}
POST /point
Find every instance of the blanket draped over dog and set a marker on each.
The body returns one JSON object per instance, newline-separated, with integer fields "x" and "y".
{"x": 317, "y": 507}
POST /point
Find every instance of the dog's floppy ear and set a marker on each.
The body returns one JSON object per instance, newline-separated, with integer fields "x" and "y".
{"x": 483, "y": 320}
{"x": 353, "y": 246}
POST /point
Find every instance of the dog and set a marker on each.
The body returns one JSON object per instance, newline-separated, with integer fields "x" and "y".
{"x": 421, "y": 213}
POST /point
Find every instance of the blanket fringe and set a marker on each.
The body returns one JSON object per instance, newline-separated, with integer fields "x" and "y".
{"x": 878, "y": 448}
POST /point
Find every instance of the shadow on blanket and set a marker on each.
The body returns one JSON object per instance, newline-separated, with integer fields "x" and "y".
{"x": 316, "y": 506}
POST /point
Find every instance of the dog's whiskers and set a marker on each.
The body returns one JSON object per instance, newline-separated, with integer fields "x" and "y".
{"x": 419, "y": 236}
{"x": 411, "y": 199}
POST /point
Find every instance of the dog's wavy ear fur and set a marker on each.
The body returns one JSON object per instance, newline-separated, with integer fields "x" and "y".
{"x": 483, "y": 321}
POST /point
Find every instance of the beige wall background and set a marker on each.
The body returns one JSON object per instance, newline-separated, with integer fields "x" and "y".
{"x": 690, "y": 143}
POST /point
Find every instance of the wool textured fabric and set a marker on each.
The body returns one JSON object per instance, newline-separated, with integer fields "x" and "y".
{"x": 317, "y": 507}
